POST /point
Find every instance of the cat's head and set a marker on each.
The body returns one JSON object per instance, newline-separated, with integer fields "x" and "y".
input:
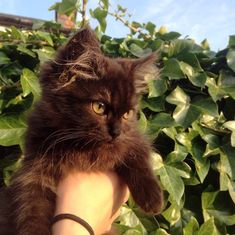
{"x": 91, "y": 97}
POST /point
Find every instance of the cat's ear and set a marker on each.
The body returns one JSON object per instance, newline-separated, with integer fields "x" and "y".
{"x": 78, "y": 59}
{"x": 143, "y": 70}
{"x": 84, "y": 40}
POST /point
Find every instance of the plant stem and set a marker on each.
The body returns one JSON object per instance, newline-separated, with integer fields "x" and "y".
{"x": 83, "y": 12}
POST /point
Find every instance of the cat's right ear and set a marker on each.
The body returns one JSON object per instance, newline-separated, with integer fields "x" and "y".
{"x": 84, "y": 40}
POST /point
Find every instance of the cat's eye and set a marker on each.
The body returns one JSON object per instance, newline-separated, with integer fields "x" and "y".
{"x": 128, "y": 114}
{"x": 98, "y": 107}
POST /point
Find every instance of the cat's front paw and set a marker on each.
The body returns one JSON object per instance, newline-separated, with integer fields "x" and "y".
{"x": 149, "y": 198}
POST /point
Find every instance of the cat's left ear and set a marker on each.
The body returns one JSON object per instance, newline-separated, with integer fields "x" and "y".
{"x": 84, "y": 40}
{"x": 143, "y": 70}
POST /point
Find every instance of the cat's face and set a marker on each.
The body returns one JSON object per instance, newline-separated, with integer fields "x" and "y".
{"x": 94, "y": 98}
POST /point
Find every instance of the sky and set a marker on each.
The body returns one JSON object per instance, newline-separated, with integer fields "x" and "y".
{"x": 197, "y": 19}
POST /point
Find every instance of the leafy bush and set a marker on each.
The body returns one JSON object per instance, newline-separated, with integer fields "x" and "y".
{"x": 188, "y": 112}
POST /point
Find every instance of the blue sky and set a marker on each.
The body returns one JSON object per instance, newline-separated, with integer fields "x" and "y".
{"x": 198, "y": 19}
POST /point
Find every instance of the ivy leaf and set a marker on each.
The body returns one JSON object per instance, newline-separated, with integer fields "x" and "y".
{"x": 231, "y": 41}
{"x": 45, "y": 54}
{"x": 130, "y": 219}
{"x": 45, "y": 36}
{"x": 172, "y": 214}
{"x": 202, "y": 164}
{"x": 172, "y": 182}
{"x": 150, "y": 27}
{"x": 228, "y": 160}
{"x": 170, "y": 36}
{"x": 25, "y": 50}
{"x": 17, "y": 34}
{"x": 4, "y": 58}
{"x": 157, "y": 88}
{"x": 184, "y": 113}
{"x": 231, "y": 126}
{"x": 12, "y": 130}
{"x": 191, "y": 227}
{"x": 67, "y": 6}
{"x": 231, "y": 59}
{"x": 172, "y": 69}
{"x": 29, "y": 83}
{"x": 231, "y": 188}
{"x": 158, "y": 122}
{"x": 208, "y": 228}
{"x": 100, "y": 15}
{"x": 160, "y": 231}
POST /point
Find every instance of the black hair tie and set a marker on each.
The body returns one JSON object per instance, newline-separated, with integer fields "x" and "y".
{"x": 74, "y": 218}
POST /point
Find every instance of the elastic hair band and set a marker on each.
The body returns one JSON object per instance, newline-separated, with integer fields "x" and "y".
{"x": 74, "y": 218}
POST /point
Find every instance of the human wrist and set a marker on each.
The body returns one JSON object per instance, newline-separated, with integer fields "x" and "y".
{"x": 65, "y": 227}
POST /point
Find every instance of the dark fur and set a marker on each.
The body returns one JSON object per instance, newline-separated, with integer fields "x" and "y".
{"x": 65, "y": 134}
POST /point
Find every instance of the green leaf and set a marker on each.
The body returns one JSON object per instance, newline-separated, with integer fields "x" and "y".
{"x": 205, "y": 44}
{"x": 157, "y": 88}
{"x": 160, "y": 231}
{"x": 191, "y": 227}
{"x": 129, "y": 218}
{"x": 142, "y": 122}
{"x": 202, "y": 164}
{"x": 172, "y": 69}
{"x": 179, "y": 45}
{"x": 231, "y": 59}
{"x": 206, "y": 106}
{"x": 137, "y": 51}
{"x": 12, "y": 130}
{"x": 228, "y": 161}
{"x": 45, "y": 36}
{"x": 105, "y": 3}
{"x": 25, "y": 50}
{"x": 151, "y": 28}
{"x": 100, "y": 15}
{"x": 67, "y": 6}
{"x": 45, "y": 54}
{"x": 182, "y": 168}
{"x": 184, "y": 113}
{"x": 208, "y": 228}
{"x": 29, "y": 83}
{"x": 191, "y": 59}
{"x": 17, "y": 34}
{"x": 172, "y": 182}
{"x": 4, "y": 58}
{"x": 231, "y": 41}
{"x": 158, "y": 122}
{"x": 170, "y": 36}
{"x": 231, "y": 126}
{"x": 199, "y": 79}
{"x": 231, "y": 188}
{"x": 215, "y": 204}
{"x": 154, "y": 104}
{"x": 172, "y": 214}
{"x": 226, "y": 83}
{"x": 178, "y": 97}
{"x": 7, "y": 171}
{"x": 187, "y": 69}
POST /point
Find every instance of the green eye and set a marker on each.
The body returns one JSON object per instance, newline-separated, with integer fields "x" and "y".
{"x": 128, "y": 114}
{"x": 98, "y": 107}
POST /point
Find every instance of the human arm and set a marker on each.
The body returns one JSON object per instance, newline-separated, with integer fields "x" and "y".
{"x": 95, "y": 197}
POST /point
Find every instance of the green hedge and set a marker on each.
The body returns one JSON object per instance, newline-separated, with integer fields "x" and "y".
{"x": 188, "y": 112}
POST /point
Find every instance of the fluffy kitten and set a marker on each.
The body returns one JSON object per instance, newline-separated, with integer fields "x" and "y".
{"x": 86, "y": 120}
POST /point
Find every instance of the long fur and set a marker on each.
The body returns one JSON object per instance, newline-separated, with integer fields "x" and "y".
{"x": 65, "y": 134}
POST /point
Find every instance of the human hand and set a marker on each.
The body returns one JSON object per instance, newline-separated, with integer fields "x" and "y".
{"x": 96, "y": 197}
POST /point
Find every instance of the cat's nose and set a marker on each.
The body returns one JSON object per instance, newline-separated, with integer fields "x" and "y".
{"x": 115, "y": 131}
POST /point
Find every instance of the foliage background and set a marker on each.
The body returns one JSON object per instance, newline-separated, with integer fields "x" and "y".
{"x": 189, "y": 112}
